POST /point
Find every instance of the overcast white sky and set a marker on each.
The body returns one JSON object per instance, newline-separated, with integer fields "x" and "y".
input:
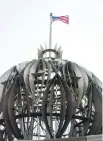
{"x": 24, "y": 25}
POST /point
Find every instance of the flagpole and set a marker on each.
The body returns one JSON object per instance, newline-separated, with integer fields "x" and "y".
{"x": 50, "y": 34}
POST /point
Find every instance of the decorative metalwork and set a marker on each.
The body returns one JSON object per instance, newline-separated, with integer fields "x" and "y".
{"x": 49, "y": 98}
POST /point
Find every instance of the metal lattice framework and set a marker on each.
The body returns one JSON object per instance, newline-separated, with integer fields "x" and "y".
{"x": 49, "y": 98}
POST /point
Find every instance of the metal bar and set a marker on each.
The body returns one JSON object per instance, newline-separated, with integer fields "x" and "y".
{"x": 83, "y": 138}
{"x": 50, "y": 35}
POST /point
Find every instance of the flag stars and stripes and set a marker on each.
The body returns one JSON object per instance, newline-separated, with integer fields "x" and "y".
{"x": 64, "y": 19}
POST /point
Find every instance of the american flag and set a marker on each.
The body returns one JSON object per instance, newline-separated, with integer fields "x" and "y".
{"x": 64, "y": 19}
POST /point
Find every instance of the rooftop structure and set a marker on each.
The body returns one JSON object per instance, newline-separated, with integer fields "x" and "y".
{"x": 49, "y": 98}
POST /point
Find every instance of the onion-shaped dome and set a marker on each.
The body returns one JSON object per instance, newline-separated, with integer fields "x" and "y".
{"x": 49, "y": 97}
